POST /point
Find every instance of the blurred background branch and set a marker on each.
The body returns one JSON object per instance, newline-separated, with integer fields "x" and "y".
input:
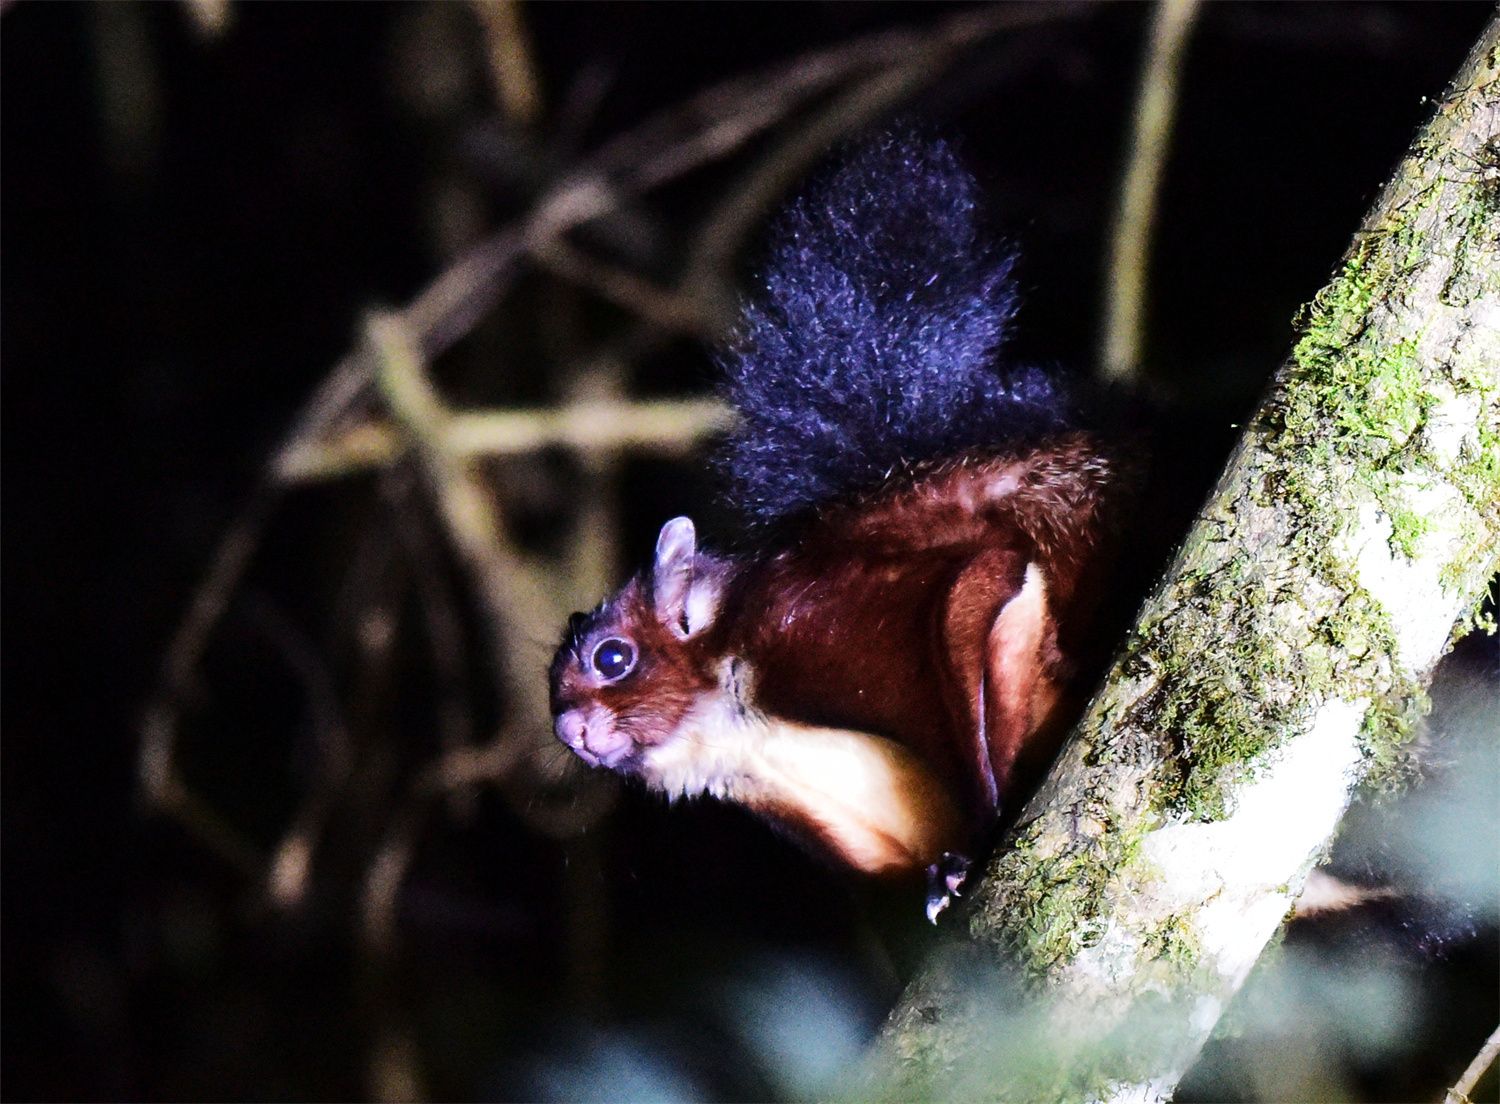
{"x": 671, "y": 426}
{"x": 1127, "y": 277}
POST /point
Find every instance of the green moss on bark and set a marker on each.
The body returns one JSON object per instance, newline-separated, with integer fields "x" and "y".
{"x": 1057, "y": 892}
{"x": 1350, "y": 424}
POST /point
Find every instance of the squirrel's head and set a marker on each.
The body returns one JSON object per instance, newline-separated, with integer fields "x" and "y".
{"x": 627, "y": 674}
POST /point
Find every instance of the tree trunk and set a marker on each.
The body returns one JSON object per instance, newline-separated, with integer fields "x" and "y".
{"x": 1279, "y": 662}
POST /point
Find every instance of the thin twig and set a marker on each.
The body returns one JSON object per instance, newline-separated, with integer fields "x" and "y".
{"x": 1130, "y": 250}
{"x": 461, "y": 768}
{"x": 393, "y": 1071}
{"x": 506, "y": 589}
{"x": 445, "y": 634}
{"x": 160, "y": 784}
{"x": 1459, "y": 1093}
{"x": 683, "y": 311}
{"x": 291, "y": 862}
{"x": 511, "y": 60}
{"x": 380, "y": 893}
{"x": 330, "y": 730}
{"x": 665, "y": 426}
{"x": 908, "y": 63}
{"x": 593, "y": 554}
{"x": 727, "y": 115}
{"x": 210, "y": 829}
{"x": 156, "y": 768}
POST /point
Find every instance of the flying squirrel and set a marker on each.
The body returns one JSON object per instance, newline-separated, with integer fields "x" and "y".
{"x": 891, "y": 665}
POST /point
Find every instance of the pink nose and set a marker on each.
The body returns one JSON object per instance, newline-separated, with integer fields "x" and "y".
{"x": 608, "y": 744}
{"x": 571, "y": 730}
{"x": 600, "y": 744}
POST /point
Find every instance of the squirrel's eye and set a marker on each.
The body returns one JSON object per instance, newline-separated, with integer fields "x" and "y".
{"x": 614, "y": 658}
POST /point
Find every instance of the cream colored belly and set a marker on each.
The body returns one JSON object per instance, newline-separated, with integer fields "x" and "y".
{"x": 867, "y": 799}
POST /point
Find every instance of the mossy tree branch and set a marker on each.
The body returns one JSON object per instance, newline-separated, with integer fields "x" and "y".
{"x": 1279, "y": 662}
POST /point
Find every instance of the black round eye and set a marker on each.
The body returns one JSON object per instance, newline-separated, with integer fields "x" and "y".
{"x": 614, "y": 658}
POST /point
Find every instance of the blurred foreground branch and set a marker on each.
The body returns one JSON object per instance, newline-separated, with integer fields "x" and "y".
{"x": 1282, "y": 657}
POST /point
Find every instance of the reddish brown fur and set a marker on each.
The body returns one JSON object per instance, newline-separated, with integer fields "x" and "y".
{"x": 879, "y": 617}
{"x": 1058, "y": 504}
{"x": 898, "y": 616}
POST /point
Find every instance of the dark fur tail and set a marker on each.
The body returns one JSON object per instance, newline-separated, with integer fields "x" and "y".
{"x": 876, "y": 341}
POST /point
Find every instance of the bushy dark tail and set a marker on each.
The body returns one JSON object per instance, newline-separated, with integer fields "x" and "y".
{"x": 876, "y": 340}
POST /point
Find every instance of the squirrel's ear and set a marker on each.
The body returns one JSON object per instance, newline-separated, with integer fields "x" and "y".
{"x": 685, "y": 600}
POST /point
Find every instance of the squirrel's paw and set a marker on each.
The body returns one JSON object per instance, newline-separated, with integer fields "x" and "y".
{"x": 945, "y": 878}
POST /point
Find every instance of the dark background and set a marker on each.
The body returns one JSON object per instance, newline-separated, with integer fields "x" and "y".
{"x": 192, "y": 226}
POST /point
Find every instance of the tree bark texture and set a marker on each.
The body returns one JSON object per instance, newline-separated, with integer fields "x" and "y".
{"x": 1279, "y": 662}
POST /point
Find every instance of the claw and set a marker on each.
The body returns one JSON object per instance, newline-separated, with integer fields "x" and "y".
{"x": 935, "y": 906}
{"x": 945, "y": 878}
